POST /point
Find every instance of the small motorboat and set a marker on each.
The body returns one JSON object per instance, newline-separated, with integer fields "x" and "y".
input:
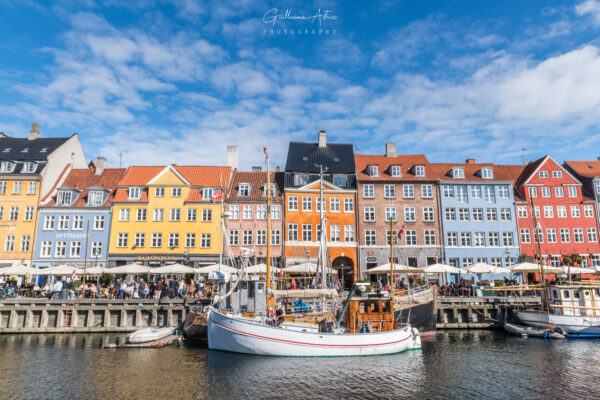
{"x": 522, "y": 330}
{"x": 149, "y": 335}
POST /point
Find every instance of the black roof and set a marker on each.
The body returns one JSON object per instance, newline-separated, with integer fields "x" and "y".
{"x": 23, "y": 149}
{"x": 303, "y": 157}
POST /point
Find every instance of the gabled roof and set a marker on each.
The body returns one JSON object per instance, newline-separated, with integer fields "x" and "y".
{"x": 257, "y": 181}
{"x": 337, "y": 158}
{"x": 585, "y": 168}
{"x": 532, "y": 168}
{"x": 12, "y": 148}
{"x": 501, "y": 172}
{"x": 196, "y": 175}
{"x": 82, "y": 180}
{"x": 406, "y": 162}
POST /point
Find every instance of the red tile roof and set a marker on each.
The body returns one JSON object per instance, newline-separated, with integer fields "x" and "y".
{"x": 83, "y": 179}
{"x": 501, "y": 172}
{"x": 585, "y": 168}
{"x": 139, "y": 176}
{"x": 57, "y": 183}
{"x": 406, "y": 162}
{"x": 195, "y": 175}
{"x": 257, "y": 182}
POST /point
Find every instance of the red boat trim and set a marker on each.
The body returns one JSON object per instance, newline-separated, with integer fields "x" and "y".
{"x": 309, "y": 344}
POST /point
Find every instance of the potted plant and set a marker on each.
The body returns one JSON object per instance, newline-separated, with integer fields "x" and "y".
{"x": 567, "y": 260}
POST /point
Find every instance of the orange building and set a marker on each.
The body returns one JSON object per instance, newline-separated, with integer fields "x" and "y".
{"x": 302, "y": 206}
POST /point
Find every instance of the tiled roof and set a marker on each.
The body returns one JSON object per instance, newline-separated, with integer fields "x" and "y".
{"x": 195, "y": 175}
{"x": 23, "y": 149}
{"x": 139, "y": 176}
{"x": 472, "y": 170}
{"x": 62, "y": 175}
{"x": 122, "y": 195}
{"x": 585, "y": 168}
{"x": 530, "y": 169}
{"x": 303, "y": 157}
{"x": 257, "y": 181}
{"x": 83, "y": 179}
{"x": 406, "y": 162}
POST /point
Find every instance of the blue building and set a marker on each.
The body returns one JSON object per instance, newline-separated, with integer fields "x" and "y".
{"x": 76, "y": 215}
{"x": 478, "y": 213}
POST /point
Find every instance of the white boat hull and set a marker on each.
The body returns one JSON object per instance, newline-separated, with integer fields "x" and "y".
{"x": 148, "y": 335}
{"x": 567, "y": 323}
{"x": 244, "y": 335}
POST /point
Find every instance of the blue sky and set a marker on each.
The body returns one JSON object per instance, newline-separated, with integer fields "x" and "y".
{"x": 176, "y": 81}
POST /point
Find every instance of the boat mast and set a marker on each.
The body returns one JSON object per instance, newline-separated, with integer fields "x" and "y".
{"x": 539, "y": 251}
{"x": 268, "y": 224}
{"x": 323, "y": 252}
{"x": 392, "y": 238}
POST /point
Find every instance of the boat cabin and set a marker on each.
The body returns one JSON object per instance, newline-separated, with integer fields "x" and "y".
{"x": 249, "y": 296}
{"x": 575, "y": 300}
{"x": 370, "y": 315}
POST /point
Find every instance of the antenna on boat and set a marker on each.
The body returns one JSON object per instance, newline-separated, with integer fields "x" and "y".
{"x": 539, "y": 251}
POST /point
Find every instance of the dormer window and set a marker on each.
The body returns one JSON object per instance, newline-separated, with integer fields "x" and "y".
{"x": 25, "y": 150}
{"x": 28, "y": 167}
{"x": 65, "y": 198}
{"x": 207, "y": 193}
{"x": 244, "y": 190}
{"x": 273, "y": 191}
{"x": 395, "y": 170}
{"x": 300, "y": 179}
{"x": 135, "y": 193}
{"x": 487, "y": 173}
{"x": 419, "y": 170}
{"x": 95, "y": 198}
{"x": 7, "y": 166}
{"x": 372, "y": 170}
{"x": 340, "y": 180}
{"x": 44, "y": 150}
{"x": 458, "y": 173}
{"x": 7, "y": 150}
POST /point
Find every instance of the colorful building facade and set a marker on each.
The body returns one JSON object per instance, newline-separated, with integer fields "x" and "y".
{"x": 403, "y": 188}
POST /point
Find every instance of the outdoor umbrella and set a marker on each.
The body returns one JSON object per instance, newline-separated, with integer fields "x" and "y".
{"x": 173, "y": 269}
{"x": 133, "y": 269}
{"x": 305, "y": 268}
{"x": 94, "y": 270}
{"x": 215, "y": 267}
{"x": 526, "y": 267}
{"x": 18, "y": 270}
{"x": 501, "y": 270}
{"x": 480, "y": 268}
{"x": 577, "y": 270}
{"x": 398, "y": 268}
{"x": 261, "y": 269}
{"x": 443, "y": 269}
{"x": 60, "y": 270}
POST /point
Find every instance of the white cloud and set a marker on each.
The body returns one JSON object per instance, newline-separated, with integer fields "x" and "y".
{"x": 589, "y": 7}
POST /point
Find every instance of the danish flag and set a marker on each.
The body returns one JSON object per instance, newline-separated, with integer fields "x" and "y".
{"x": 217, "y": 195}
{"x": 400, "y": 232}
{"x": 266, "y": 154}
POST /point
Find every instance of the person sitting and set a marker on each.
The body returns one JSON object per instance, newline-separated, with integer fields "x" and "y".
{"x": 279, "y": 315}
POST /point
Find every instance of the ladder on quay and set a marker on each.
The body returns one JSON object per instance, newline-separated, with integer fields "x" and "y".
{"x": 68, "y": 321}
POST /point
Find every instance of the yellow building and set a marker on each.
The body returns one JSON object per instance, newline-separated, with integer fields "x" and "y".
{"x": 29, "y": 168}
{"x": 168, "y": 214}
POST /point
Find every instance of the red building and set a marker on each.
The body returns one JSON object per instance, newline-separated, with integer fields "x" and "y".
{"x": 566, "y": 218}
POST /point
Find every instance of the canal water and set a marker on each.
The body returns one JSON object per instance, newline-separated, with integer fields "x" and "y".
{"x": 458, "y": 364}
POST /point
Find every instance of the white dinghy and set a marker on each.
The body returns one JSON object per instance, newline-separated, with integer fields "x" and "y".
{"x": 149, "y": 335}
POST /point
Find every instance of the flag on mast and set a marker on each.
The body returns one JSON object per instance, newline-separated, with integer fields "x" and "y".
{"x": 216, "y": 195}
{"x": 266, "y": 154}
{"x": 400, "y": 232}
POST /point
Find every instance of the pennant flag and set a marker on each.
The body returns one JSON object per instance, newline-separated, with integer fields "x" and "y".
{"x": 266, "y": 154}
{"x": 400, "y": 232}
{"x": 74, "y": 274}
{"x": 217, "y": 195}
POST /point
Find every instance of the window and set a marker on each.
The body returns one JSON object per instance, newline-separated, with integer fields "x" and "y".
{"x": 408, "y": 191}
{"x": 565, "y": 235}
{"x": 543, "y": 174}
{"x": 533, "y": 191}
{"x": 575, "y": 212}
{"x": 208, "y": 193}
{"x": 334, "y": 233}
{"x": 190, "y": 240}
{"x": 539, "y": 235}
{"x": 490, "y": 214}
{"x": 478, "y": 214}
{"x": 261, "y": 211}
{"x": 141, "y": 214}
{"x": 18, "y": 187}
{"x": 77, "y": 222}
{"x": 205, "y": 239}
{"x": 3, "y": 185}
{"x": 235, "y": 212}
{"x": 49, "y": 222}
{"x": 340, "y": 180}
{"x": 551, "y": 235}
{"x": 275, "y": 238}
{"x": 174, "y": 240}
{"x": 60, "y": 250}
{"x": 306, "y": 203}
{"x": 334, "y": 204}
{"x": 479, "y": 239}
{"x": 320, "y": 202}
{"x": 447, "y": 192}
{"x": 158, "y": 214}
{"x": 578, "y": 235}
{"x": 28, "y": 214}
{"x": 124, "y": 214}
{"x": 458, "y": 173}
{"x": 370, "y": 237}
{"x": 63, "y": 223}
{"x": 28, "y": 167}
{"x": 293, "y": 203}
{"x": 176, "y": 192}
{"x": 452, "y": 239}
{"x": 496, "y": 261}
{"x": 175, "y": 214}
{"x": 9, "y": 245}
{"x": 503, "y": 191}
{"x": 487, "y": 173}
{"x": 206, "y": 215}
{"x": 545, "y": 191}
{"x": 389, "y": 237}
{"x": 427, "y": 191}
{"x": 293, "y": 232}
{"x": 411, "y": 238}
{"x": 395, "y": 170}
{"x": 247, "y": 238}
{"x": 522, "y": 210}
{"x": 25, "y": 243}
{"x": 300, "y": 179}
{"x": 557, "y": 174}
{"x": 428, "y": 215}
{"x": 135, "y": 193}
{"x": 548, "y": 212}
{"x": 409, "y": 214}
{"x": 429, "y": 237}
{"x": 588, "y": 211}
{"x": 157, "y": 240}
{"x": 244, "y": 190}
{"x": 467, "y": 262}
{"x": 348, "y": 204}
{"x": 507, "y": 239}
{"x": 597, "y": 188}
{"x": 95, "y": 198}
{"x": 234, "y": 237}
{"x": 559, "y": 191}
{"x": 536, "y": 210}
{"x": 122, "y": 239}
{"x": 159, "y": 192}
{"x": 592, "y": 235}
{"x": 494, "y": 239}
{"x": 369, "y": 214}
{"x": 98, "y": 222}
{"x": 419, "y": 170}
{"x": 505, "y": 214}
{"x": 139, "y": 240}
{"x": 453, "y": 262}
{"x": 248, "y": 212}
{"x": 307, "y": 233}
{"x": 64, "y": 198}
{"x": 46, "y": 250}
{"x": 463, "y": 214}
{"x": 449, "y": 214}
{"x": 488, "y": 192}
{"x": 465, "y": 239}
{"x": 390, "y": 214}
{"x": 561, "y": 211}
{"x": 368, "y": 191}
{"x": 7, "y": 166}
{"x": 475, "y": 192}
{"x": 261, "y": 238}
{"x": 372, "y": 170}
{"x": 525, "y": 236}
{"x": 2, "y": 213}
{"x": 31, "y": 187}
{"x": 389, "y": 191}
{"x": 461, "y": 194}
{"x": 348, "y": 233}
{"x": 96, "y": 249}
{"x": 596, "y": 260}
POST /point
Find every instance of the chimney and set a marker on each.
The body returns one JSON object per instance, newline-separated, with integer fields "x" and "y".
{"x": 470, "y": 161}
{"x": 598, "y": 158}
{"x": 34, "y": 133}
{"x": 256, "y": 169}
{"x": 232, "y": 156}
{"x": 277, "y": 169}
{"x": 322, "y": 138}
{"x": 390, "y": 150}
{"x": 100, "y": 164}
